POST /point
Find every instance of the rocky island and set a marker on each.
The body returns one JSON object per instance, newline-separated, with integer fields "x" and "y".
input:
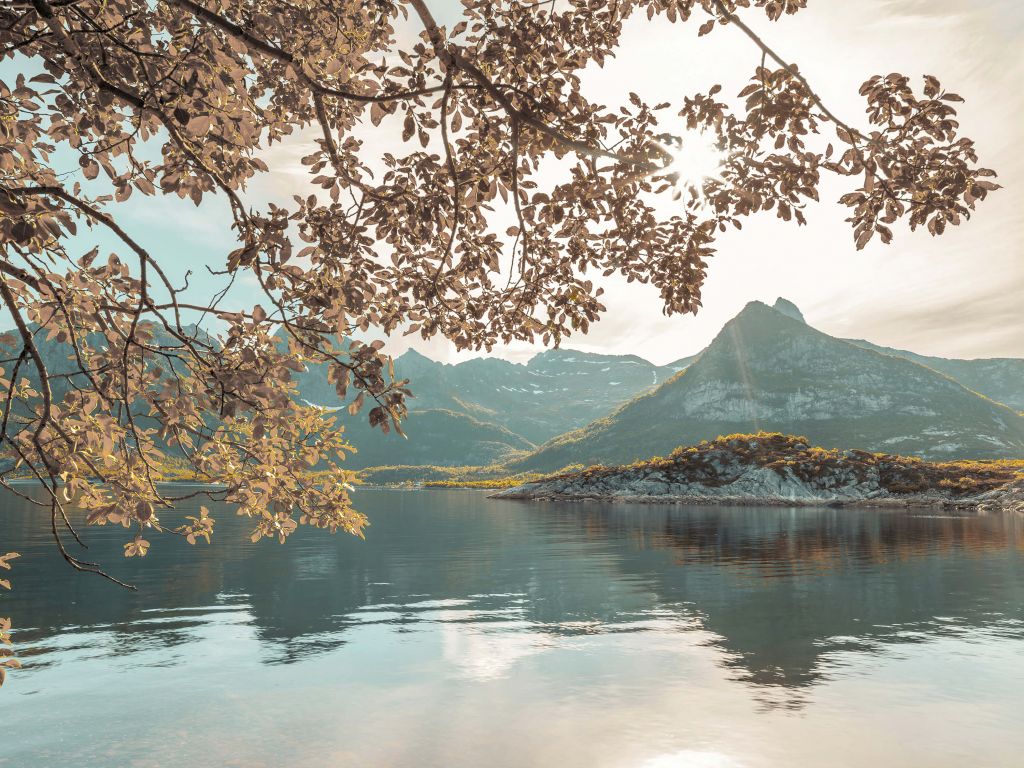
{"x": 777, "y": 469}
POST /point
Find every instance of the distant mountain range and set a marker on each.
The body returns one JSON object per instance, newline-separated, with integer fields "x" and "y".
{"x": 556, "y": 391}
{"x": 766, "y": 370}
{"x": 487, "y": 410}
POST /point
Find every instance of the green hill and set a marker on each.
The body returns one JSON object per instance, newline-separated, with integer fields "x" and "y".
{"x": 436, "y": 437}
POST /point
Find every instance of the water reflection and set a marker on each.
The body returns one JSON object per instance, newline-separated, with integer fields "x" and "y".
{"x": 621, "y": 614}
{"x": 782, "y": 589}
{"x": 778, "y": 588}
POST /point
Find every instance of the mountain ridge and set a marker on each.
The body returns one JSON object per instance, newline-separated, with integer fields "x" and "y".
{"x": 555, "y": 391}
{"x": 768, "y": 371}
{"x": 998, "y": 378}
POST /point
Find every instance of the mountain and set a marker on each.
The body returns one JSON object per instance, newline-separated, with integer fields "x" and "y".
{"x": 436, "y": 437}
{"x": 556, "y": 391}
{"x": 487, "y": 410}
{"x": 1001, "y": 378}
{"x": 769, "y": 371}
{"x": 59, "y": 357}
{"x": 682, "y": 363}
{"x": 789, "y": 309}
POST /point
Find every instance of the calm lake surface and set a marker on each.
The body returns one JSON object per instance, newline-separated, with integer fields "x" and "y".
{"x": 471, "y": 632}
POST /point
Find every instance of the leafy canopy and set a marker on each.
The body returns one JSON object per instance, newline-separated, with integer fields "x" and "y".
{"x": 182, "y": 97}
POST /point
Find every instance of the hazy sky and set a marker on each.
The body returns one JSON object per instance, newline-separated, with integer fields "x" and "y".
{"x": 958, "y": 295}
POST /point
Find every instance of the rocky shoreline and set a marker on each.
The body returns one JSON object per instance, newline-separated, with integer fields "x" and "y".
{"x": 783, "y": 470}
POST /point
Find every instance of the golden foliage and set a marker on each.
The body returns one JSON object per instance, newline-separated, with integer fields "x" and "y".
{"x": 182, "y": 98}
{"x": 7, "y": 660}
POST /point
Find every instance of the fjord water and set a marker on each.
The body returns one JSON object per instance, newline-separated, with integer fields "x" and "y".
{"x": 466, "y": 632}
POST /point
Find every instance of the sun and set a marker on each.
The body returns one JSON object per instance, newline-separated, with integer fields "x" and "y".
{"x": 696, "y": 159}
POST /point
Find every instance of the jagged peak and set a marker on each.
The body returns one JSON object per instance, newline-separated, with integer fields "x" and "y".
{"x": 762, "y": 315}
{"x": 413, "y": 354}
{"x": 756, "y": 311}
{"x": 756, "y": 327}
{"x": 789, "y": 309}
{"x": 413, "y": 360}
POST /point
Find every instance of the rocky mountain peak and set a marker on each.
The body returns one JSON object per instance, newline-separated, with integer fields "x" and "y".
{"x": 789, "y": 309}
{"x": 411, "y": 360}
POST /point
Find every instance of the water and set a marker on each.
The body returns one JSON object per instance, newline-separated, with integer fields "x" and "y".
{"x": 470, "y": 632}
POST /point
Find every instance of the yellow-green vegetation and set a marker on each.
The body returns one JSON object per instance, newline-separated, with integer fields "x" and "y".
{"x": 494, "y": 476}
{"x": 509, "y": 481}
{"x": 902, "y": 475}
{"x": 778, "y": 451}
{"x": 169, "y": 469}
{"x": 416, "y": 475}
{"x": 175, "y": 470}
{"x": 7, "y": 660}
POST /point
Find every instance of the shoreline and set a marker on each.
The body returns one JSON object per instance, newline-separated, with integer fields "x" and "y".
{"x": 771, "y": 469}
{"x": 917, "y": 502}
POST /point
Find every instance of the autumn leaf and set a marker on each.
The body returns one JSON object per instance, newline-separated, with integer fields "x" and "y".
{"x": 199, "y": 125}
{"x": 137, "y": 547}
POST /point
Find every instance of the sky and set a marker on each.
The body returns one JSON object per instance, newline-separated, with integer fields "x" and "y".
{"x": 958, "y": 295}
{"x": 955, "y": 296}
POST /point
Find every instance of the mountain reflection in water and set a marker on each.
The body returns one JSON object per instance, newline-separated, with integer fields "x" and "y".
{"x": 466, "y": 631}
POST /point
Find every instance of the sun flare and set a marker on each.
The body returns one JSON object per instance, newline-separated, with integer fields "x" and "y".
{"x": 696, "y": 158}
